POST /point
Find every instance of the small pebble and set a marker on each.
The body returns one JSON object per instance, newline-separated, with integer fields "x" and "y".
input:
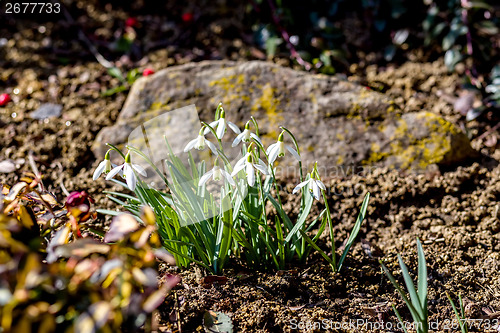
{"x": 46, "y": 111}
{"x": 7, "y": 166}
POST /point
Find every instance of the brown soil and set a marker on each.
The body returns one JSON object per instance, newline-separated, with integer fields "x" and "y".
{"x": 455, "y": 212}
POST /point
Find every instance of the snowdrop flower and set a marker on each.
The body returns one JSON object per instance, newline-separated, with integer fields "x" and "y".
{"x": 248, "y": 163}
{"x": 221, "y": 126}
{"x": 217, "y": 174}
{"x": 104, "y": 167}
{"x": 313, "y": 184}
{"x": 278, "y": 150}
{"x": 200, "y": 142}
{"x": 245, "y": 136}
{"x": 128, "y": 172}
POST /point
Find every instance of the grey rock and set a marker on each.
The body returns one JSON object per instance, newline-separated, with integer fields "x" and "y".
{"x": 47, "y": 110}
{"x": 337, "y": 123}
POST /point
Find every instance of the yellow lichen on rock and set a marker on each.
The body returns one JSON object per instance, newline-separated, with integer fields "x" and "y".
{"x": 233, "y": 88}
{"x": 269, "y": 104}
{"x": 407, "y": 149}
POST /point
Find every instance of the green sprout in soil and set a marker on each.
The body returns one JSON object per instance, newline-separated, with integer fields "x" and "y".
{"x": 462, "y": 321}
{"x": 417, "y": 303}
{"x": 247, "y": 220}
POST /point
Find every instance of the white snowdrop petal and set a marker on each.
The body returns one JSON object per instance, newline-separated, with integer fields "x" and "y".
{"x": 228, "y": 177}
{"x": 274, "y": 154}
{"x": 256, "y": 138}
{"x": 99, "y": 170}
{"x": 250, "y": 174}
{"x": 293, "y": 152}
{"x": 205, "y": 177}
{"x": 321, "y": 185}
{"x": 261, "y": 167}
{"x": 298, "y": 187}
{"x": 238, "y": 139}
{"x": 140, "y": 170}
{"x": 237, "y": 169}
{"x": 270, "y": 148}
{"x": 241, "y": 161}
{"x": 190, "y": 145}
{"x": 221, "y": 129}
{"x": 233, "y": 127}
{"x": 130, "y": 177}
{"x": 315, "y": 189}
{"x": 131, "y": 182}
{"x": 114, "y": 172}
{"x": 212, "y": 147}
{"x": 212, "y": 124}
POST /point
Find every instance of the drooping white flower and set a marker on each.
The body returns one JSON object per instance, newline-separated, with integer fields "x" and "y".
{"x": 103, "y": 167}
{"x": 245, "y": 136}
{"x": 221, "y": 125}
{"x": 128, "y": 172}
{"x": 200, "y": 143}
{"x": 314, "y": 185}
{"x": 248, "y": 163}
{"x": 278, "y": 150}
{"x": 217, "y": 174}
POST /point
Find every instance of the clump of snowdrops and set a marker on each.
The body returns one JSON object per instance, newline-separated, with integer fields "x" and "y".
{"x": 198, "y": 226}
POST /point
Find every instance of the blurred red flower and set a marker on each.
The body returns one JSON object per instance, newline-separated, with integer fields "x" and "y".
{"x": 78, "y": 205}
{"x": 131, "y": 22}
{"x": 76, "y": 199}
{"x": 187, "y": 17}
{"x": 147, "y": 71}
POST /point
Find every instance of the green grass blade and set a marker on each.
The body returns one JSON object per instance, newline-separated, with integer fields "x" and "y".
{"x": 415, "y": 300}
{"x": 399, "y": 318}
{"x": 122, "y": 195}
{"x": 301, "y": 220}
{"x": 180, "y": 254}
{"x": 422, "y": 278}
{"x": 321, "y": 228}
{"x": 272, "y": 251}
{"x": 280, "y": 240}
{"x": 108, "y": 212}
{"x": 355, "y": 230}
{"x": 118, "y": 201}
{"x": 316, "y": 247}
{"x": 460, "y": 317}
{"x": 401, "y": 292}
{"x": 284, "y": 217}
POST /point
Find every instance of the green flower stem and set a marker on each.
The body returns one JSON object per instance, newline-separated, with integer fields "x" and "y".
{"x": 115, "y": 148}
{"x": 332, "y": 238}
{"x": 303, "y": 199}
{"x": 215, "y": 134}
{"x": 297, "y": 149}
{"x": 255, "y": 125}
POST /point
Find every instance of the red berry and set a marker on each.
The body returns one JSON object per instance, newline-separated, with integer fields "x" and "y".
{"x": 131, "y": 22}
{"x": 4, "y": 99}
{"x": 187, "y": 17}
{"x": 147, "y": 71}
